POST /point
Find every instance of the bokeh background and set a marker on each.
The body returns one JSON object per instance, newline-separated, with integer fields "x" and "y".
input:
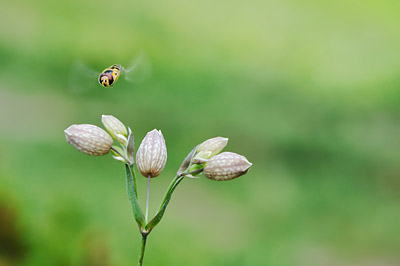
{"x": 308, "y": 91}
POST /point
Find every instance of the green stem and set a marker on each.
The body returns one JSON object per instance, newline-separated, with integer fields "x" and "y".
{"x": 193, "y": 172}
{"x": 148, "y": 196}
{"x": 144, "y": 238}
{"x": 171, "y": 189}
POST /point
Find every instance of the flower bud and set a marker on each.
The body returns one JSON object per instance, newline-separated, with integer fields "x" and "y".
{"x": 152, "y": 154}
{"x": 201, "y": 157}
{"x": 117, "y": 154}
{"x": 130, "y": 147}
{"x": 212, "y": 146}
{"x": 89, "y": 139}
{"x": 114, "y": 126}
{"x": 226, "y": 166}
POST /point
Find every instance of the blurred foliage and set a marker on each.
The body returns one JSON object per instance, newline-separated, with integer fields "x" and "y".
{"x": 308, "y": 91}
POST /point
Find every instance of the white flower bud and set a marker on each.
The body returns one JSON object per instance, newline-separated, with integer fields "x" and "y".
{"x": 89, "y": 139}
{"x": 226, "y": 166}
{"x": 212, "y": 146}
{"x": 152, "y": 154}
{"x": 114, "y": 126}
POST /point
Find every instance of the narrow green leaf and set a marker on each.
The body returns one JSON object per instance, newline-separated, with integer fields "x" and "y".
{"x": 164, "y": 203}
{"x": 134, "y": 182}
{"x": 186, "y": 162}
{"x": 131, "y": 188}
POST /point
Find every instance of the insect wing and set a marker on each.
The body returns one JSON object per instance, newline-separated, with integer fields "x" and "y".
{"x": 139, "y": 68}
{"x": 81, "y": 78}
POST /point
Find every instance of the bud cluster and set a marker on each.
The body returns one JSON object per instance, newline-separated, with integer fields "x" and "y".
{"x": 151, "y": 156}
{"x": 217, "y": 166}
{"x": 92, "y": 140}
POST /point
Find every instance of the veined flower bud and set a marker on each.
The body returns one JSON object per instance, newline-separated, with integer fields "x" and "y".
{"x": 114, "y": 126}
{"x": 226, "y": 166}
{"x": 212, "y": 146}
{"x": 89, "y": 139}
{"x": 152, "y": 154}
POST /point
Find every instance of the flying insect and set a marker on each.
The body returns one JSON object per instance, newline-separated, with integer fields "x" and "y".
{"x": 82, "y": 78}
{"x": 110, "y": 75}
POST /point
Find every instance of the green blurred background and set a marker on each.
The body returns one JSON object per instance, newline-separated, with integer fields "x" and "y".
{"x": 308, "y": 91}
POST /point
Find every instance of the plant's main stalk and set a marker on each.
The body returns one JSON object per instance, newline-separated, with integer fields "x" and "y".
{"x": 144, "y": 239}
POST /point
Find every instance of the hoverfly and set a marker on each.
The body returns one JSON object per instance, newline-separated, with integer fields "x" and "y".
{"x": 82, "y": 78}
{"x": 110, "y": 75}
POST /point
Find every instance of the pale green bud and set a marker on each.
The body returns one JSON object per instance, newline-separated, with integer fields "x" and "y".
{"x": 89, "y": 139}
{"x": 211, "y": 147}
{"x": 226, "y": 166}
{"x": 115, "y": 127}
{"x": 121, "y": 139}
{"x": 201, "y": 157}
{"x": 152, "y": 154}
{"x": 117, "y": 154}
{"x": 130, "y": 147}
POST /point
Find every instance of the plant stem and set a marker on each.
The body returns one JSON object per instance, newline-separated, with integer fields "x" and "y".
{"x": 148, "y": 196}
{"x": 193, "y": 172}
{"x": 144, "y": 238}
